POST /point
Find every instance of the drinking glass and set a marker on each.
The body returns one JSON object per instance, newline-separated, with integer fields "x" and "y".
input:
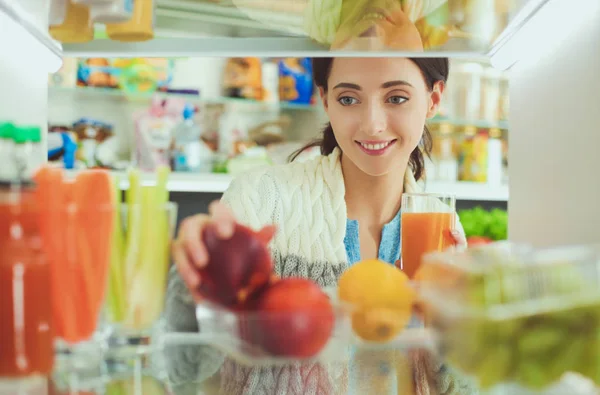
{"x": 78, "y": 239}
{"x": 138, "y": 277}
{"x": 427, "y": 220}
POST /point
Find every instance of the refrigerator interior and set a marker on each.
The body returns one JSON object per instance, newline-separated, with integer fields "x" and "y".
{"x": 552, "y": 186}
{"x": 554, "y": 119}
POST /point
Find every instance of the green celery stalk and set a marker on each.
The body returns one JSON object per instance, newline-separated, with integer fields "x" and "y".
{"x": 141, "y": 287}
{"x": 149, "y": 278}
{"x": 134, "y": 225}
{"x": 116, "y": 294}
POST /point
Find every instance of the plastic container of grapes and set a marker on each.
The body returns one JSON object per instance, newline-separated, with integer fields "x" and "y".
{"x": 508, "y": 313}
{"x": 238, "y": 335}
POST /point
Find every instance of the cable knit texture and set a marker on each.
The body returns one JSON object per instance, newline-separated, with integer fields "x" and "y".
{"x": 306, "y": 203}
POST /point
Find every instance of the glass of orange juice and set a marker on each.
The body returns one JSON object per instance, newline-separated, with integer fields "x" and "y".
{"x": 427, "y": 220}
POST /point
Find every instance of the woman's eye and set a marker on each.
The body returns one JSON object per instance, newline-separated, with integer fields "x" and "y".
{"x": 347, "y": 101}
{"x": 397, "y": 99}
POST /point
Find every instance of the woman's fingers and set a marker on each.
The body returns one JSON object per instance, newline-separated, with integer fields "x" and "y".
{"x": 190, "y": 236}
{"x": 186, "y": 270}
{"x": 459, "y": 238}
{"x": 223, "y": 219}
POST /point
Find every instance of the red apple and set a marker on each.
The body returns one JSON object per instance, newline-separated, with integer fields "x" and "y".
{"x": 294, "y": 318}
{"x": 478, "y": 240}
{"x": 237, "y": 267}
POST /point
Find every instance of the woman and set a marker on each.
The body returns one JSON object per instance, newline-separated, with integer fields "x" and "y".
{"x": 330, "y": 212}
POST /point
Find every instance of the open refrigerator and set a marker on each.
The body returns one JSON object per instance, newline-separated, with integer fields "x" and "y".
{"x": 550, "y": 49}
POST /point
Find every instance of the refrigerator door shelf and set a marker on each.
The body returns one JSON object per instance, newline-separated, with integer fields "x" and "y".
{"x": 21, "y": 38}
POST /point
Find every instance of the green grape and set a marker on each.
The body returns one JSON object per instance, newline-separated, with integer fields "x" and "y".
{"x": 495, "y": 368}
{"x": 531, "y": 374}
{"x": 538, "y": 340}
{"x": 567, "y": 356}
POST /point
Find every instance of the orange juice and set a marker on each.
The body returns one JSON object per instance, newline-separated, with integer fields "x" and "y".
{"x": 423, "y": 233}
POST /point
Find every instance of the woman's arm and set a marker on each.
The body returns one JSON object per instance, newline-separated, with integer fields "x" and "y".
{"x": 252, "y": 199}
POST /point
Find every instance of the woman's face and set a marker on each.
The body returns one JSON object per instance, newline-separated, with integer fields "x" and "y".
{"x": 376, "y": 25}
{"x": 377, "y": 108}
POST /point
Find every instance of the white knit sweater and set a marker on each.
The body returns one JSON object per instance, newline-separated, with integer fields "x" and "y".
{"x": 306, "y": 202}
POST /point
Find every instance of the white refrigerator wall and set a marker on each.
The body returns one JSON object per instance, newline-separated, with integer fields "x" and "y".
{"x": 554, "y": 143}
{"x": 24, "y": 80}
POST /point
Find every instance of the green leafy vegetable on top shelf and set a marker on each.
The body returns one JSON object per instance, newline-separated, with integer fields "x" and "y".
{"x": 479, "y": 222}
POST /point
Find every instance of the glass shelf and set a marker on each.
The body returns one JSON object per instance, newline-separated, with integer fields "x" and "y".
{"x": 117, "y": 94}
{"x": 480, "y": 124}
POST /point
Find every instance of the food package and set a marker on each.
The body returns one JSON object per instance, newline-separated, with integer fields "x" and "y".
{"x": 154, "y": 132}
{"x": 91, "y": 134}
{"x": 242, "y": 78}
{"x": 295, "y": 80}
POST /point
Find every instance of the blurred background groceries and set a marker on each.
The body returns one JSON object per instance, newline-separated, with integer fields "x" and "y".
{"x": 212, "y": 118}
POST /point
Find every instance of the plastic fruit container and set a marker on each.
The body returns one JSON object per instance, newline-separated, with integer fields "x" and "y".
{"x": 262, "y": 339}
{"x": 507, "y": 313}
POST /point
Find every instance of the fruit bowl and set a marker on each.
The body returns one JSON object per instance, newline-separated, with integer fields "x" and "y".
{"x": 507, "y": 313}
{"x": 276, "y": 338}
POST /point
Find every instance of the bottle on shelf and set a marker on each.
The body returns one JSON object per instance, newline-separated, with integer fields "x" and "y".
{"x": 140, "y": 27}
{"x": 494, "y": 157}
{"x": 447, "y": 163}
{"x": 77, "y": 26}
{"x": 26, "y": 325}
{"x": 189, "y": 153}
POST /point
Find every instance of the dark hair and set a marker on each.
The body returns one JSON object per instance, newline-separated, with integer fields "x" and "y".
{"x": 433, "y": 70}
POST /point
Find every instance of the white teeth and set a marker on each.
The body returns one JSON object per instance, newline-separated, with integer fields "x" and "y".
{"x": 375, "y": 147}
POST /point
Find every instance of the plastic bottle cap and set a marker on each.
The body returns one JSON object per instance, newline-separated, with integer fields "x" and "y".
{"x": 35, "y": 134}
{"x": 6, "y": 130}
{"x": 26, "y": 134}
{"x": 188, "y": 111}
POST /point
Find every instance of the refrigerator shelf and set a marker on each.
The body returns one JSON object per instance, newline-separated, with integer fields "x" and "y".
{"x": 218, "y": 183}
{"x": 90, "y": 93}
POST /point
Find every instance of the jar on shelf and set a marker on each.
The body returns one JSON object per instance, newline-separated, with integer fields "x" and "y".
{"x": 490, "y": 95}
{"x": 473, "y": 155}
{"x": 494, "y": 157}
{"x": 464, "y": 91}
{"x": 445, "y": 154}
{"x": 76, "y": 26}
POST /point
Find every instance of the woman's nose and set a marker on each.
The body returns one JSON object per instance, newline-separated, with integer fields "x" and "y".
{"x": 375, "y": 120}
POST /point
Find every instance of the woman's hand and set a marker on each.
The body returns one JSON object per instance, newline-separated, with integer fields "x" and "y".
{"x": 188, "y": 250}
{"x": 458, "y": 238}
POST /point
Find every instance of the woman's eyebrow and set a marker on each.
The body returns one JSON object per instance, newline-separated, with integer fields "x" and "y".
{"x": 389, "y": 84}
{"x": 347, "y": 85}
{"x": 385, "y": 85}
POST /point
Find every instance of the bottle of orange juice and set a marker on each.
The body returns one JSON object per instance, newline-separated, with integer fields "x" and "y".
{"x": 139, "y": 28}
{"x": 76, "y": 27}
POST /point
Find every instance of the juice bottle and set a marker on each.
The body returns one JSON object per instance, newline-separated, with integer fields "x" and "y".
{"x": 139, "y": 28}
{"x": 76, "y": 27}
{"x": 25, "y": 304}
{"x": 422, "y": 233}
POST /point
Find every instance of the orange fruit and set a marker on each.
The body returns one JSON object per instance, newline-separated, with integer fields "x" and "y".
{"x": 381, "y": 297}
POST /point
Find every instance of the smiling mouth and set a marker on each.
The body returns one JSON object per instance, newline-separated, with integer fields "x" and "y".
{"x": 375, "y": 147}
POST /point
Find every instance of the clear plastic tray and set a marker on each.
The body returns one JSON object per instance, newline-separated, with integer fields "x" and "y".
{"x": 510, "y": 313}
{"x": 228, "y": 331}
